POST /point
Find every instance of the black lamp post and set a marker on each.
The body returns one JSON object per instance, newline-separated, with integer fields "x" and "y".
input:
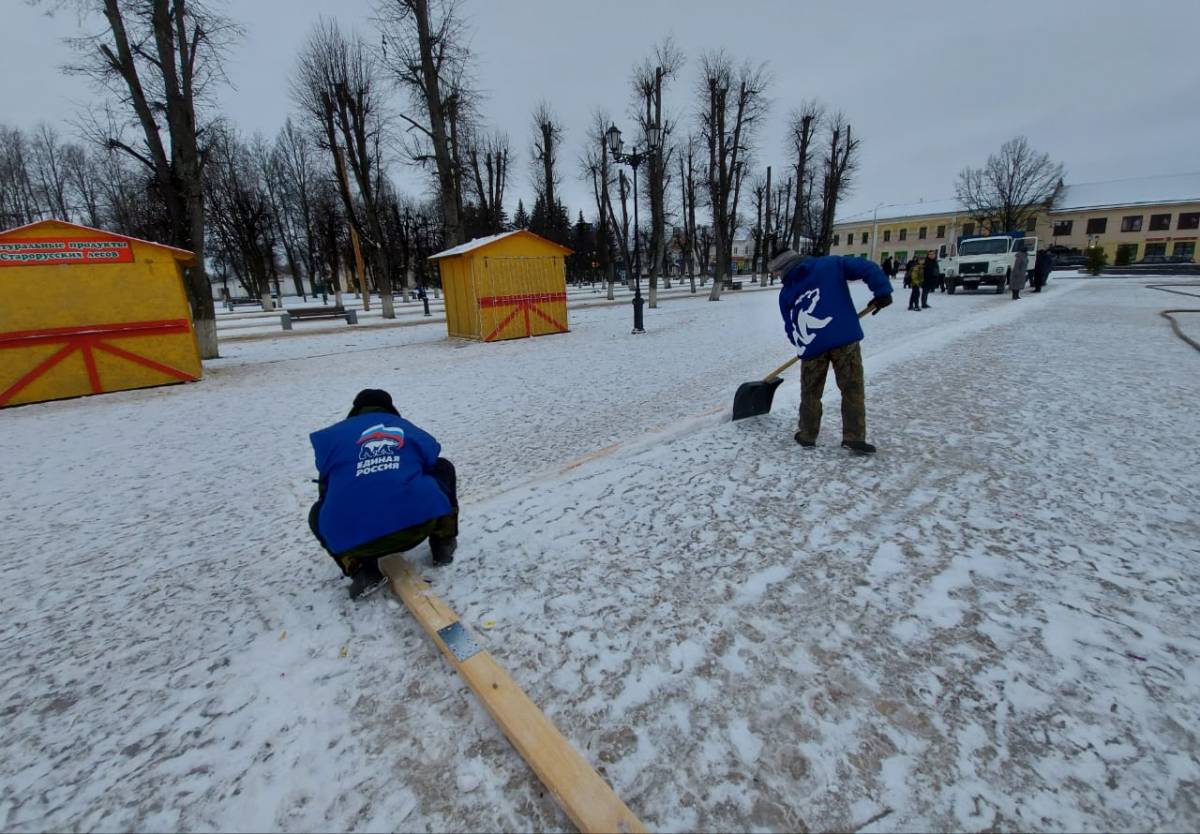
{"x": 633, "y": 160}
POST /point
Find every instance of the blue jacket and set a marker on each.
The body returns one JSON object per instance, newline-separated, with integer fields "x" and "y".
{"x": 818, "y": 312}
{"x": 373, "y": 470}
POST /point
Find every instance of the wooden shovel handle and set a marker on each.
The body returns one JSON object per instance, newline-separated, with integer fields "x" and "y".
{"x": 870, "y": 306}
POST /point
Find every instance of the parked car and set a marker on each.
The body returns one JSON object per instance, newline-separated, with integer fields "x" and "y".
{"x": 1068, "y": 261}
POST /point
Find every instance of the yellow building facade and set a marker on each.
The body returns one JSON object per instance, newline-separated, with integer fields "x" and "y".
{"x": 507, "y": 286}
{"x": 86, "y": 312}
{"x": 1134, "y": 219}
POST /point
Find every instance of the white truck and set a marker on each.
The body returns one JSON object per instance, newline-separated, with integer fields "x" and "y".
{"x": 983, "y": 260}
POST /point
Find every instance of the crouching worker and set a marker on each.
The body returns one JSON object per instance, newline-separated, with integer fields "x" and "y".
{"x": 383, "y": 489}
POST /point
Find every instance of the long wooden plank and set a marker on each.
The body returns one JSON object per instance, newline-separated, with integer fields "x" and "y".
{"x": 580, "y": 792}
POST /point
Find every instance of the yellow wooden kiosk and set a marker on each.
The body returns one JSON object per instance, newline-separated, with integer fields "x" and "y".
{"x": 86, "y": 311}
{"x": 506, "y": 286}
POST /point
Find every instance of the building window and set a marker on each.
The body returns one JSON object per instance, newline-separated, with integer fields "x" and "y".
{"x": 902, "y": 257}
{"x": 887, "y": 235}
{"x": 904, "y": 234}
{"x": 922, "y": 232}
{"x": 1097, "y": 225}
{"x": 1160, "y": 222}
{"x": 1133, "y": 223}
{"x": 1062, "y": 228}
{"x": 849, "y": 238}
{"x": 835, "y": 239}
{"x": 1031, "y": 224}
{"x": 865, "y": 236}
{"x": 1156, "y": 249}
{"x": 968, "y": 229}
{"x": 941, "y": 231}
{"x": 1191, "y": 220}
{"x": 1126, "y": 254}
{"x": 1185, "y": 250}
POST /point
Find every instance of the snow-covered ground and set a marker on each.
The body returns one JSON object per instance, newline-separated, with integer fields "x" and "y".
{"x": 992, "y": 624}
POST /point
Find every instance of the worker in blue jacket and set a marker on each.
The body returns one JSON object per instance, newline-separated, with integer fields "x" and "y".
{"x": 383, "y": 489}
{"x": 820, "y": 320}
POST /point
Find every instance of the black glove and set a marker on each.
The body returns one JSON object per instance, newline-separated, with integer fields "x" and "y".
{"x": 881, "y": 301}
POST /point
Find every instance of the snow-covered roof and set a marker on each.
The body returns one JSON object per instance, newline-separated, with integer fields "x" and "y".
{"x": 471, "y": 245}
{"x": 480, "y": 242}
{"x": 1134, "y": 191}
{"x": 1170, "y": 188}
{"x": 898, "y": 211}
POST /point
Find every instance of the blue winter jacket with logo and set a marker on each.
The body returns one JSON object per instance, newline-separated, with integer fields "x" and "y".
{"x": 818, "y": 312}
{"x": 374, "y": 470}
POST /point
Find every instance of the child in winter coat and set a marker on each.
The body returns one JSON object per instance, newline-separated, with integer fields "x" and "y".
{"x": 916, "y": 276}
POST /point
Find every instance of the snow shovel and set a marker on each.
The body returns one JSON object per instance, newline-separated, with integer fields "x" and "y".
{"x": 754, "y": 398}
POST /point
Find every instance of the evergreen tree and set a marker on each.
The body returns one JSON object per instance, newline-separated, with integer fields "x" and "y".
{"x": 521, "y": 218}
{"x": 585, "y": 258}
{"x": 538, "y": 222}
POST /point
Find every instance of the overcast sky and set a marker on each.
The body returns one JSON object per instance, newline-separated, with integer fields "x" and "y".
{"x": 1108, "y": 87}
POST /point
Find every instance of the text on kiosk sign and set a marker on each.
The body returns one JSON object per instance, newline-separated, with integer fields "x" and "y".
{"x": 50, "y": 251}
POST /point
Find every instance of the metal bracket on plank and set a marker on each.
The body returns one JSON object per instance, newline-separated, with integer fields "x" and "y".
{"x": 459, "y": 641}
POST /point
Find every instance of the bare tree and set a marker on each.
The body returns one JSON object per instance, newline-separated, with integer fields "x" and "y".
{"x": 704, "y": 249}
{"x": 649, "y": 80}
{"x": 49, "y": 171}
{"x": 548, "y": 132}
{"x": 159, "y": 58}
{"x": 18, "y": 198}
{"x": 336, "y": 83}
{"x": 687, "y": 185}
{"x": 841, "y": 159}
{"x": 803, "y": 124}
{"x": 732, "y": 104}
{"x": 759, "y": 189}
{"x": 488, "y": 158}
{"x": 595, "y": 166}
{"x": 1012, "y": 188}
{"x": 81, "y": 171}
{"x": 293, "y": 162}
{"x": 425, "y": 47}
{"x": 240, "y": 213}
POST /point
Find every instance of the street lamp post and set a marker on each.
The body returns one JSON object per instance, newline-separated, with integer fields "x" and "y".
{"x": 875, "y": 230}
{"x": 633, "y": 160}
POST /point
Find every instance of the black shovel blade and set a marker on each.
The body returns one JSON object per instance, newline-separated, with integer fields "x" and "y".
{"x": 754, "y": 398}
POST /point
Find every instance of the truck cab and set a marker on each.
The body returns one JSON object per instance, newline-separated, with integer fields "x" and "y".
{"x": 979, "y": 261}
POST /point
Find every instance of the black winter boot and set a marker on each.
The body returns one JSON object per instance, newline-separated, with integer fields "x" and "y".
{"x": 443, "y": 550}
{"x": 366, "y": 580}
{"x": 861, "y": 447}
{"x": 807, "y": 444}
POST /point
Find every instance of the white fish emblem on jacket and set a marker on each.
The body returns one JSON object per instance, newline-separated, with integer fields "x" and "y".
{"x": 804, "y": 322}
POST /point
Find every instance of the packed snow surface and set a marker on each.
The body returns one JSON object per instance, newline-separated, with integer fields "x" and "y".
{"x": 994, "y": 623}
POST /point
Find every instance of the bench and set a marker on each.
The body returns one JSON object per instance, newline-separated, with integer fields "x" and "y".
{"x": 289, "y": 316}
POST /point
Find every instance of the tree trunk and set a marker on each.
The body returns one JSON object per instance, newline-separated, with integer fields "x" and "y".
{"x": 432, "y": 90}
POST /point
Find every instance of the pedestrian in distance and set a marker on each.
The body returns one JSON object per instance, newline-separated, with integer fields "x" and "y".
{"x": 1016, "y": 278}
{"x": 916, "y": 277}
{"x": 1041, "y": 269}
{"x": 384, "y": 488}
{"x": 908, "y": 268}
{"x": 931, "y": 277}
{"x": 820, "y": 320}
{"x": 889, "y": 267}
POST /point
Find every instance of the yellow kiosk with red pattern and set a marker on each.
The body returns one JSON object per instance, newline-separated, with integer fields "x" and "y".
{"x": 83, "y": 311}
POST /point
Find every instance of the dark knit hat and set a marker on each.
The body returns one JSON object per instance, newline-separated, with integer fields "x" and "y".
{"x": 372, "y": 398}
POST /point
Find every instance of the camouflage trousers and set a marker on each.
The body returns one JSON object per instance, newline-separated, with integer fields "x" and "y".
{"x": 848, "y": 371}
